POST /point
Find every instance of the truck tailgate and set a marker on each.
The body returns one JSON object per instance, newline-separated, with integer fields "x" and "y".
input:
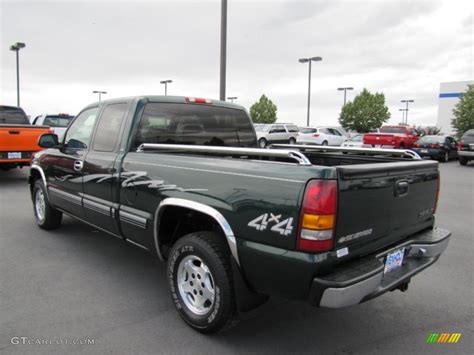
{"x": 380, "y": 204}
{"x": 21, "y": 138}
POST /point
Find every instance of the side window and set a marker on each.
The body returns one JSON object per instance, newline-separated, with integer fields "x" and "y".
{"x": 278, "y": 129}
{"x": 78, "y": 135}
{"x": 292, "y": 129}
{"x": 108, "y": 129}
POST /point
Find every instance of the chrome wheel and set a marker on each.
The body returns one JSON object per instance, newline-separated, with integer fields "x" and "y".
{"x": 40, "y": 205}
{"x": 196, "y": 285}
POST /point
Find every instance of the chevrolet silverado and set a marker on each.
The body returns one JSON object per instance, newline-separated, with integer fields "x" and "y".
{"x": 184, "y": 179}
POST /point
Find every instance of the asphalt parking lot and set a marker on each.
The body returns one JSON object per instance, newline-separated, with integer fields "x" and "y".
{"x": 78, "y": 283}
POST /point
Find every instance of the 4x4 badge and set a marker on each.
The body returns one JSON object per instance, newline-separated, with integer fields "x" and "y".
{"x": 261, "y": 223}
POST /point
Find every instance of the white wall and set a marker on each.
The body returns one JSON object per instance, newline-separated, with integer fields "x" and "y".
{"x": 449, "y": 94}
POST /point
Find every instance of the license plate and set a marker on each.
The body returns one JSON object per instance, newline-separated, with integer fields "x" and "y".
{"x": 14, "y": 155}
{"x": 424, "y": 150}
{"x": 394, "y": 260}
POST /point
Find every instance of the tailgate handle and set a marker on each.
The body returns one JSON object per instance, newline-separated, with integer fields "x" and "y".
{"x": 401, "y": 188}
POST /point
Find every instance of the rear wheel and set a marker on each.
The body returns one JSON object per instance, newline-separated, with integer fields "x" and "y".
{"x": 325, "y": 143}
{"x": 47, "y": 217}
{"x": 262, "y": 142}
{"x": 463, "y": 160}
{"x": 292, "y": 141}
{"x": 200, "y": 280}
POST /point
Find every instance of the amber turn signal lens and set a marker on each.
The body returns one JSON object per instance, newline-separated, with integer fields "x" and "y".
{"x": 314, "y": 221}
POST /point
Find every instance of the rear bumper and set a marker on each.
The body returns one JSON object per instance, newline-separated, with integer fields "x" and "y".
{"x": 364, "y": 279}
{"x": 466, "y": 153}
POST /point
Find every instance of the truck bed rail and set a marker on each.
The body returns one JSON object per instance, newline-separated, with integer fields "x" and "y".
{"x": 367, "y": 151}
{"x": 296, "y": 155}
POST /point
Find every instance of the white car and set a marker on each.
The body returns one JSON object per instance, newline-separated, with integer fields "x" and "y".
{"x": 58, "y": 122}
{"x": 276, "y": 133}
{"x": 356, "y": 141}
{"x": 320, "y": 136}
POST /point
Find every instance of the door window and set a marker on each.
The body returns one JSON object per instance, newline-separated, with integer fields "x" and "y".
{"x": 278, "y": 129}
{"x": 79, "y": 133}
{"x": 108, "y": 129}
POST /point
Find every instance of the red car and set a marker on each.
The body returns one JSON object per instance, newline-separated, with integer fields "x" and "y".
{"x": 399, "y": 137}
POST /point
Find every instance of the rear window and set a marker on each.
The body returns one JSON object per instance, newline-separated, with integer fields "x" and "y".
{"x": 57, "y": 121}
{"x": 307, "y": 130}
{"x": 400, "y": 130}
{"x": 432, "y": 139}
{"x": 13, "y": 115}
{"x": 170, "y": 123}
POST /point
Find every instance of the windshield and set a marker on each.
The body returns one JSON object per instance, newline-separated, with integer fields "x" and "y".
{"x": 57, "y": 121}
{"x": 431, "y": 139}
{"x": 12, "y": 115}
{"x": 400, "y": 130}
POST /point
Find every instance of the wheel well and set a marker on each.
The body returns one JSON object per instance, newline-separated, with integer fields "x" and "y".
{"x": 34, "y": 175}
{"x": 175, "y": 222}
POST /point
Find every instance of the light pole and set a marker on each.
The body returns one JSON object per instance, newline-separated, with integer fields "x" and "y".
{"x": 16, "y": 47}
{"x": 309, "y": 60}
{"x": 403, "y": 113}
{"x": 223, "y": 50}
{"x": 406, "y": 109}
{"x": 232, "y": 98}
{"x": 345, "y": 90}
{"x": 166, "y": 82}
{"x": 100, "y": 94}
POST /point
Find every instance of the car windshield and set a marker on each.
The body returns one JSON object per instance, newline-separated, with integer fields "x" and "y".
{"x": 57, "y": 121}
{"x": 400, "y": 130}
{"x": 12, "y": 115}
{"x": 307, "y": 130}
{"x": 431, "y": 139}
{"x": 357, "y": 138}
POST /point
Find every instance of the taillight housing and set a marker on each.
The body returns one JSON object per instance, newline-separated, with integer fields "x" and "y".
{"x": 198, "y": 100}
{"x": 318, "y": 216}
{"x": 460, "y": 145}
{"x": 316, "y": 135}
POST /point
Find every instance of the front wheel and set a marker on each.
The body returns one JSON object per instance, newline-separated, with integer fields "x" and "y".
{"x": 200, "y": 280}
{"x": 47, "y": 217}
{"x": 445, "y": 157}
{"x": 462, "y": 160}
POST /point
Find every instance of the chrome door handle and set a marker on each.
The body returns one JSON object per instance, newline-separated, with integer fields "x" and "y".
{"x": 78, "y": 165}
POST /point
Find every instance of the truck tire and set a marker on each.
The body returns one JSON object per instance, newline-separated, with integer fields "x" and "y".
{"x": 46, "y": 216}
{"x": 200, "y": 280}
{"x": 462, "y": 160}
{"x": 262, "y": 143}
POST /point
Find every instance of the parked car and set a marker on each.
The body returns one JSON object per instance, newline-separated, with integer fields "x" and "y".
{"x": 356, "y": 141}
{"x": 58, "y": 122}
{"x": 18, "y": 139}
{"x": 438, "y": 147}
{"x": 466, "y": 147}
{"x": 233, "y": 226}
{"x": 320, "y": 136}
{"x": 398, "y": 137}
{"x": 276, "y": 133}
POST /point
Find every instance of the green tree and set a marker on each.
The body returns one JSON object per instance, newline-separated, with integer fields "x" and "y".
{"x": 464, "y": 112}
{"x": 263, "y": 111}
{"x": 366, "y": 112}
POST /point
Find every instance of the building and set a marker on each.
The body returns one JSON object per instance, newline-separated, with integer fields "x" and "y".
{"x": 449, "y": 94}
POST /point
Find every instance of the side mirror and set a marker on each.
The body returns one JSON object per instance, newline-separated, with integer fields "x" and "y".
{"x": 48, "y": 140}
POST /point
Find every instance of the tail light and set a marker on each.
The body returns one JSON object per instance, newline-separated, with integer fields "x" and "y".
{"x": 197, "y": 100}
{"x": 316, "y": 135}
{"x": 437, "y": 193}
{"x": 318, "y": 216}
{"x": 460, "y": 145}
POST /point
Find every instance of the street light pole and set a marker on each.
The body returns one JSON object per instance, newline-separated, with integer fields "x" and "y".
{"x": 16, "y": 47}
{"x": 223, "y": 50}
{"x": 403, "y": 113}
{"x": 232, "y": 98}
{"x": 406, "y": 109}
{"x": 309, "y": 60}
{"x": 345, "y": 90}
{"x": 100, "y": 94}
{"x": 166, "y": 82}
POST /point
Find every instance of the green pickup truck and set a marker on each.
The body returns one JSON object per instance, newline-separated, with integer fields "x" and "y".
{"x": 184, "y": 179}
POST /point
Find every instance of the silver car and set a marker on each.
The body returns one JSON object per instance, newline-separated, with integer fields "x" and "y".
{"x": 276, "y": 133}
{"x": 320, "y": 136}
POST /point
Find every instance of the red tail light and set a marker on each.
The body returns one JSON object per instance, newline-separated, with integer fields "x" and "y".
{"x": 460, "y": 145}
{"x": 318, "y": 216}
{"x": 316, "y": 135}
